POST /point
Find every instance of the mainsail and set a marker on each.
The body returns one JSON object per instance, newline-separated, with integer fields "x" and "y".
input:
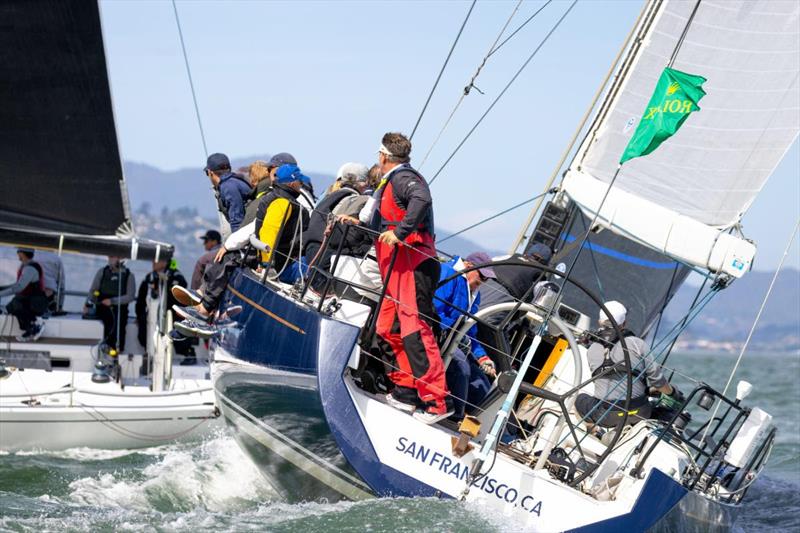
{"x": 683, "y": 198}
{"x": 61, "y": 180}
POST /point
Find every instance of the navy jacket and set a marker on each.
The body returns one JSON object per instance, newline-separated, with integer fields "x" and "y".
{"x": 232, "y": 194}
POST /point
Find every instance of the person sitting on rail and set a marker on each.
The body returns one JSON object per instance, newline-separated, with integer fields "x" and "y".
{"x": 29, "y": 301}
{"x": 470, "y": 369}
{"x": 606, "y": 356}
{"x": 231, "y": 189}
{"x": 279, "y": 221}
{"x": 352, "y": 179}
{"x": 357, "y": 262}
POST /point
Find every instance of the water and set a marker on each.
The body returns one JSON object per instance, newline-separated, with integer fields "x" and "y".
{"x": 212, "y": 486}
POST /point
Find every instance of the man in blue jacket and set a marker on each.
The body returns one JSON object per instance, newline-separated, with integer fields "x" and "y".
{"x": 232, "y": 190}
{"x": 467, "y": 373}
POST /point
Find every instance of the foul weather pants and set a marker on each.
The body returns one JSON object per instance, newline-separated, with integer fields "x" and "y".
{"x": 406, "y": 320}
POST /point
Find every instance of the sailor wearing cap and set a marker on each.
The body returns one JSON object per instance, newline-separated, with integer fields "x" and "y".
{"x": 231, "y": 189}
{"x": 607, "y": 359}
{"x": 211, "y": 243}
{"x": 29, "y": 299}
{"x": 468, "y": 371}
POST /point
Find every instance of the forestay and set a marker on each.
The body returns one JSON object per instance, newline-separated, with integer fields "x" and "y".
{"x": 702, "y": 180}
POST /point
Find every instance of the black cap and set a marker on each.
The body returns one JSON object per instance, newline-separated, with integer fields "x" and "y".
{"x": 217, "y": 162}
{"x": 213, "y": 235}
{"x": 283, "y": 158}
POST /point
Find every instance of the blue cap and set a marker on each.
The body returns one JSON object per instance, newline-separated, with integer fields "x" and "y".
{"x": 283, "y": 158}
{"x": 217, "y": 162}
{"x": 542, "y": 251}
{"x": 289, "y": 173}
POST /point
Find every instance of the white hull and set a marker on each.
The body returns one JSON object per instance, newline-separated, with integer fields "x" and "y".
{"x": 35, "y": 415}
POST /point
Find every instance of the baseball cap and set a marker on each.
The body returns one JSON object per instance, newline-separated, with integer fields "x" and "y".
{"x": 289, "y": 173}
{"x": 479, "y": 258}
{"x": 217, "y": 162}
{"x": 541, "y": 250}
{"x": 283, "y": 158}
{"x": 213, "y": 235}
{"x": 617, "y": 311}
{"x": 355, "y": 171}
{"x": 28, "y": 251}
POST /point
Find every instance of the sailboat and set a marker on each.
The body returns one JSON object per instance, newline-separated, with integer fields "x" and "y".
{"x": 62, "y": 189}
{"x": 290, "y": 371}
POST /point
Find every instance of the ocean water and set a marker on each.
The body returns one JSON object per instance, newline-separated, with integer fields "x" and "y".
{"x": 212, "y": 486}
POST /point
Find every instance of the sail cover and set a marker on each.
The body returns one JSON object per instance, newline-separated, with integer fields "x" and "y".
{"x": 749, "y": 50}
{"x": 60, "y": 167}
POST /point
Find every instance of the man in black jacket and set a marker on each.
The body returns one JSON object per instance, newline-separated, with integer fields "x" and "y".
{"x": 353, "y": 180}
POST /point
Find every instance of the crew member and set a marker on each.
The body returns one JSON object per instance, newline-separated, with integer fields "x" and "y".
{"x": 54, "y": 280}
{"x": 352, "y": 179}
{"x": 166, "y": 271}
{"x": 29, "y": 299}
{"x": 470, "y": 369}
{"x": 606, "y": 356}
{"x": 113, "y": 288}
{"x": 280, "y": 221}
{"x": 211, "y": 243}
{"x": 407, "y": 318}
{"x": 231, "y": 189}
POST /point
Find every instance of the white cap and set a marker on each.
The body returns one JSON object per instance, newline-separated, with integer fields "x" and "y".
{"x": 353, "y": 171}
{"x": 618, "y": 313}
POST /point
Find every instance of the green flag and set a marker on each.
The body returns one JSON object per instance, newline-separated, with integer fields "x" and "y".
{"x": 675, "y": 97}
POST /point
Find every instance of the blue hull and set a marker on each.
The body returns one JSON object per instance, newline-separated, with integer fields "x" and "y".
{"x": 283, "y": 392}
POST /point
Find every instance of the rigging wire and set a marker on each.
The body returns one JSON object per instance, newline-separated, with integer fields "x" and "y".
{"x": 470, "y": 85}
{"x": 513, "y": 33}
{"x": 441, "y": 71}
{"x": 505, "y": 89}
{"x": 191, "y": 81}
{"x": 755, "y": 322}
{"x": 492, "y": 217}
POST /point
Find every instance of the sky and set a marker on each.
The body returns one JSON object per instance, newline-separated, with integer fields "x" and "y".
{"x": 324, "y": 81}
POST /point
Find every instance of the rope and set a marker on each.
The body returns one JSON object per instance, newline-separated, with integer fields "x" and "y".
{"x": 683, "y": 35}
{"x": 441, "y": 71}
{"x": 189, "y": 75}
{"x": 755, "y": 323}
{"x": 513, "y": 33}
{"x": 508, "y": 85}
{"x": 492, "y": 49}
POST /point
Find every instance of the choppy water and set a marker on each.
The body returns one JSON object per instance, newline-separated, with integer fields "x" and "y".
{"x": 212, "y": 486}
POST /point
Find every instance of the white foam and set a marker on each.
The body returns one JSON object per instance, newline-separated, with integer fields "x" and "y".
{"x": 215, "y": 476}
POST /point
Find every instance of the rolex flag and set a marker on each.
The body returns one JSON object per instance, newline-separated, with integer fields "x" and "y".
{"x": 675, "y": 97}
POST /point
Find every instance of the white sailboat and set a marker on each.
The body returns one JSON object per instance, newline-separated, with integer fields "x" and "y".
{"x": 63, "y": 190}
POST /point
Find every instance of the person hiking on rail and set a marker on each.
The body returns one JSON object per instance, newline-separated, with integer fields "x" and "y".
{"x": 407, "y": 318}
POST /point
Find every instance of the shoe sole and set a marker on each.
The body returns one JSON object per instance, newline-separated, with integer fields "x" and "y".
{"x": 185, "y": 297}
{"x": 181, "y": 311}
{"x": 401, "y": 406}
{"x": 418, "y": 415}
{"x": 189, "y": 331}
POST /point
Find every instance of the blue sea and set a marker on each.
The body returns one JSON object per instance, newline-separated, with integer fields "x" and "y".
{"x": 212, "y": 486}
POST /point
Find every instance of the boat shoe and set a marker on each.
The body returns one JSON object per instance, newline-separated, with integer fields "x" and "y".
{"x": 190, "y": 328}
{"x": 186, "y": 296}
{"x": 435, "y": 411}
{"x": 191, "y": 313}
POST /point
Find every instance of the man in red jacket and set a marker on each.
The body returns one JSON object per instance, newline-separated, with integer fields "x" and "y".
{"x": 407, "y": 318}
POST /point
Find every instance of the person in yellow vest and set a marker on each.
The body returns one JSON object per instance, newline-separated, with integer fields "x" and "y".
{"x": 279, "y": 224}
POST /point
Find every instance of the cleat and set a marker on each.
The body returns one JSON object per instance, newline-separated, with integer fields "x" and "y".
{"x": 185, "y": 297}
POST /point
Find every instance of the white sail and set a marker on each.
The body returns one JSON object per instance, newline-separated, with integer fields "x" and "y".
{"x": 702, "y": 179}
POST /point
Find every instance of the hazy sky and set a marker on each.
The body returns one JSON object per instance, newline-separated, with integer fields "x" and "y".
{"x": 324, "y": 80}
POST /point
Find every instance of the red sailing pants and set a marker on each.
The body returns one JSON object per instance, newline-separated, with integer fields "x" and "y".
{"x": 406, "y": 317}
